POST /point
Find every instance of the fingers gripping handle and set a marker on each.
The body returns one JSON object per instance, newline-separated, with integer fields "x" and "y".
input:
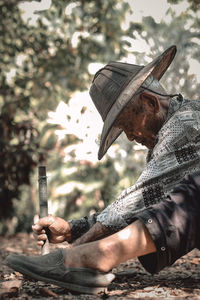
{"x": 42, "y": 180}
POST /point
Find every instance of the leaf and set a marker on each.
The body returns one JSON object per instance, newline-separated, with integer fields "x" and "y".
{"x": 48, "y": 293}
{"x": 10, "y": 288}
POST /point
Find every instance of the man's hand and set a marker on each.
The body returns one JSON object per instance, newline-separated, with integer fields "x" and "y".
{"x": 59, "y": 230}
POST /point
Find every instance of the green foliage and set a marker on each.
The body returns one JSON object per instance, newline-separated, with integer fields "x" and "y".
{"x": 40, "y": 65}
{"x": 194, "y": 4}
{"x": 182, "y": 30}
{"x": 43, "y": 65}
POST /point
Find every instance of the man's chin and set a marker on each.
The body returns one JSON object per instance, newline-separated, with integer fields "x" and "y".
{"x": 149, "y": 145}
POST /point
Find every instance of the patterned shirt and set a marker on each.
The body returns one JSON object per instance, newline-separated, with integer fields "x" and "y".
{"x": 176, "y": 153}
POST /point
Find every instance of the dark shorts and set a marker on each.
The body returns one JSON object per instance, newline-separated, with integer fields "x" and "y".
{"x": 174, "y": 224}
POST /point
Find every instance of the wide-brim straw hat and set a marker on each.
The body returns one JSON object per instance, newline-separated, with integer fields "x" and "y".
{"x": 116, "y": 84}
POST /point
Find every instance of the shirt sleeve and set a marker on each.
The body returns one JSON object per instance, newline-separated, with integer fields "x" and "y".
{"x": 81, "y": 226}
{"x": 176, "y": 154}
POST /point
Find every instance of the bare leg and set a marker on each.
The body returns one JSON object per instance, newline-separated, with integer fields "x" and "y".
{"x": 105, "y": 254}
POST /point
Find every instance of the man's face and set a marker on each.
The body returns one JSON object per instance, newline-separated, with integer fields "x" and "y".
{"x": 140, "y": 123}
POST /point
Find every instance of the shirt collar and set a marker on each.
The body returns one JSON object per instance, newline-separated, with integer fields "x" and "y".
{"x": 174, "y": 105}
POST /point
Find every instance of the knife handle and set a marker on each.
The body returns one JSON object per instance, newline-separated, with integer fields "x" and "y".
{"x": 43, "y": 202}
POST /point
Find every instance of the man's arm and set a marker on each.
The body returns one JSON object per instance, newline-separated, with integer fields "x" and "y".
{"x": 75, "y": 232}
{"x": 96, "y": 232}
{"x": 87, "y": 229}
{"x": 80, "y": 227}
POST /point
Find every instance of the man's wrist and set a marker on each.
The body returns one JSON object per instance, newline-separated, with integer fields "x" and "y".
{"x": 81, "y": 226}
{"x": 97, "y": 232}
{"x": 78, "y": 227}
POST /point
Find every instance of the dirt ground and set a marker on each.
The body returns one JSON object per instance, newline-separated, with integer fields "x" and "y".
{"x": 181, "y": 281}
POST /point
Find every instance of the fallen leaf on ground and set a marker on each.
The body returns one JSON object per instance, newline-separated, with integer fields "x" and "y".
{"x": 10, "y": 288}
{"x": 46, "y": 292}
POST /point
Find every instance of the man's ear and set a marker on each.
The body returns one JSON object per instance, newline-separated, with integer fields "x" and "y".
{"x": 150, "y": 101}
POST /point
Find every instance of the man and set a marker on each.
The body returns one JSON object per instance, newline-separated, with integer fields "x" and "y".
{"x": 130, "y": 99}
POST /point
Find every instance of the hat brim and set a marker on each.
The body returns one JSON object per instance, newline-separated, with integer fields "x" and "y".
{"x": 157, "y": 68}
